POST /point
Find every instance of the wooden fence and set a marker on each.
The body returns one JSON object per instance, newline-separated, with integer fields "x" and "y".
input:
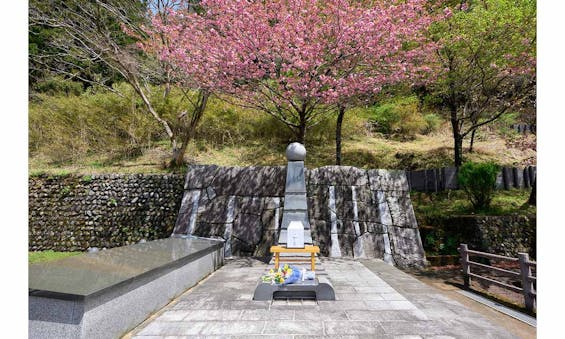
{"x": 441, "y": 179}
{"x": 524, "y": 128}
{"x": 525, "y": 273}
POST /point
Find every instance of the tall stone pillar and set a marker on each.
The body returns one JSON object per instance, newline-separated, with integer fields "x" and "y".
{"x": 295, "y": 207}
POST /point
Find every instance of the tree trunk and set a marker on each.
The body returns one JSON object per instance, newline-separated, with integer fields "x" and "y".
{"x": 341, "y": 113}
{"x": 472, "y": 141}
{"x": 458, "y": 155}
{"x": 178, "y": 154}
{"x": 302, "y": 131}
{"x": 457, "y": 138}
{"x": 532, "y": 199}
{"x": 189, "y": 128}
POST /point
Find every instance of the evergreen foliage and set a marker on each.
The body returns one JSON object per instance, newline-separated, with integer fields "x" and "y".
{"x": 478, "y": 180}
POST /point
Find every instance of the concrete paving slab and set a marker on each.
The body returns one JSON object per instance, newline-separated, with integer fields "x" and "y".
{"x": 412, "y": 315}
{"x": 501, "y": 308}
{"x": 324, "y": 315}
{"x": 354, "y": 328}
{"x": 294, "y": 327}
{"x": 240, "y": 327}
{"x": 203, "y": 315}
{"x": 375, "y": 300}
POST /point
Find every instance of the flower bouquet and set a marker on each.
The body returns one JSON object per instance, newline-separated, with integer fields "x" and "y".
{"x": 282, "y": 276}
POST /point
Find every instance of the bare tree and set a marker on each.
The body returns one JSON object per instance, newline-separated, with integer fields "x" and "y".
{"x": 106, "y": 32}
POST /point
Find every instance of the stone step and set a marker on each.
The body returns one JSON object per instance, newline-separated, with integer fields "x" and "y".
{"x": 91, "y": 286}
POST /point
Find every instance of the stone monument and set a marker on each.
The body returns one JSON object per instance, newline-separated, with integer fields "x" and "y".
{"x": 295, "y": 233}
{"x": 295, "y": 207}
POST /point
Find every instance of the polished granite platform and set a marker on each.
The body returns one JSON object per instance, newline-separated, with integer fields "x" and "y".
{"x": 105, "y": 294}
{"x": 90, "y": 274}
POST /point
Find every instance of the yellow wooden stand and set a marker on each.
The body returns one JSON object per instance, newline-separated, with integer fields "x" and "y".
{"x": 277, "y": 250}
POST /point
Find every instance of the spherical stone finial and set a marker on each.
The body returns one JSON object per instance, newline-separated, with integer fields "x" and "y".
{"x": 295, "y": 152}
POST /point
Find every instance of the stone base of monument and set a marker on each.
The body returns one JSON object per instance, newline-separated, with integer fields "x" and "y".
{"x": 318, "y": 289}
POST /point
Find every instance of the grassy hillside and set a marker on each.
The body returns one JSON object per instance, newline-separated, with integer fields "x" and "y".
{"x": 102, "y": 133}
{"x": 364, "y": 151}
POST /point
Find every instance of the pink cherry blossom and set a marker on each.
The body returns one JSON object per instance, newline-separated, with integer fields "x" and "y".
{"x": 291, "y": 57}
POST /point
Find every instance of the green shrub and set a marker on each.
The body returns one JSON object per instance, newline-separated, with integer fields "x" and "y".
{"x": 433, "y": 121}
{"x": 58, "y": 86}
{"x": 400, "y": 116}
{"x": 508, "y": 119}
{"x": 384, "y": 118}
{"x": 503, "y": 125}
{"x": 226, "y": 124}
{"x": 438, "y": 242}
{"x": 478, "y": 181}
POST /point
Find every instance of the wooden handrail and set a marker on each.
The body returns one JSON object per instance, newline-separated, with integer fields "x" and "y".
{"x": 525, "y": 273}
{"x": 501, "y": 270}
{"x": 499, "y": 283}
{"x": 491, "y": 256}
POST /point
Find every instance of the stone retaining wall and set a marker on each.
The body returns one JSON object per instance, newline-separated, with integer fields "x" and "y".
{"x": 368, "y": 213}
{"x": 353, "y": 212}
{"x": 504, "y": 235}
{"x": 72, "y": 213}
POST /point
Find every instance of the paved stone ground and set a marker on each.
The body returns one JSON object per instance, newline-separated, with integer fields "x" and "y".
{"x": 374, "y": 300}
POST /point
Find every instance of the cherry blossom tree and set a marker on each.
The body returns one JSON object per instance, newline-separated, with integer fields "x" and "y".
{"x": 298, "y": 60}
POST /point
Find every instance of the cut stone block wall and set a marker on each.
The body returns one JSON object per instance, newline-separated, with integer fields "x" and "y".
{"x": 352, "y": 212}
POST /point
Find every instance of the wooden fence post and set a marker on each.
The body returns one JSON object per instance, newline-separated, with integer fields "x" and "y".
{"x": 527, "y": 285}
{"x": 465, "y": 264}
{"x": 526, "y": 177}
{"x": 515, "y": 181}
{"x": 532, "y": 173}
{"x": 506, "y": 180}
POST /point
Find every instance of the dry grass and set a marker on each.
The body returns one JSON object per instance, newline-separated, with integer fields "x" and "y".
{"x": 362, "y": 150}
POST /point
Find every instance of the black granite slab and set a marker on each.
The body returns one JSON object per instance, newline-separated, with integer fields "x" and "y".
{"x": 319, "y": 290}
{"x": 91, "y": 274}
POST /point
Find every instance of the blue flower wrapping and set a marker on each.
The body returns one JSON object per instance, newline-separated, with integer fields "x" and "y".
{"x": 294, "y": 277}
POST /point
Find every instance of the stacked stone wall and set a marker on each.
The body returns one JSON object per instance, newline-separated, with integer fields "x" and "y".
{"x": 504, "y": 235}
{"x": 73, "y": 213}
